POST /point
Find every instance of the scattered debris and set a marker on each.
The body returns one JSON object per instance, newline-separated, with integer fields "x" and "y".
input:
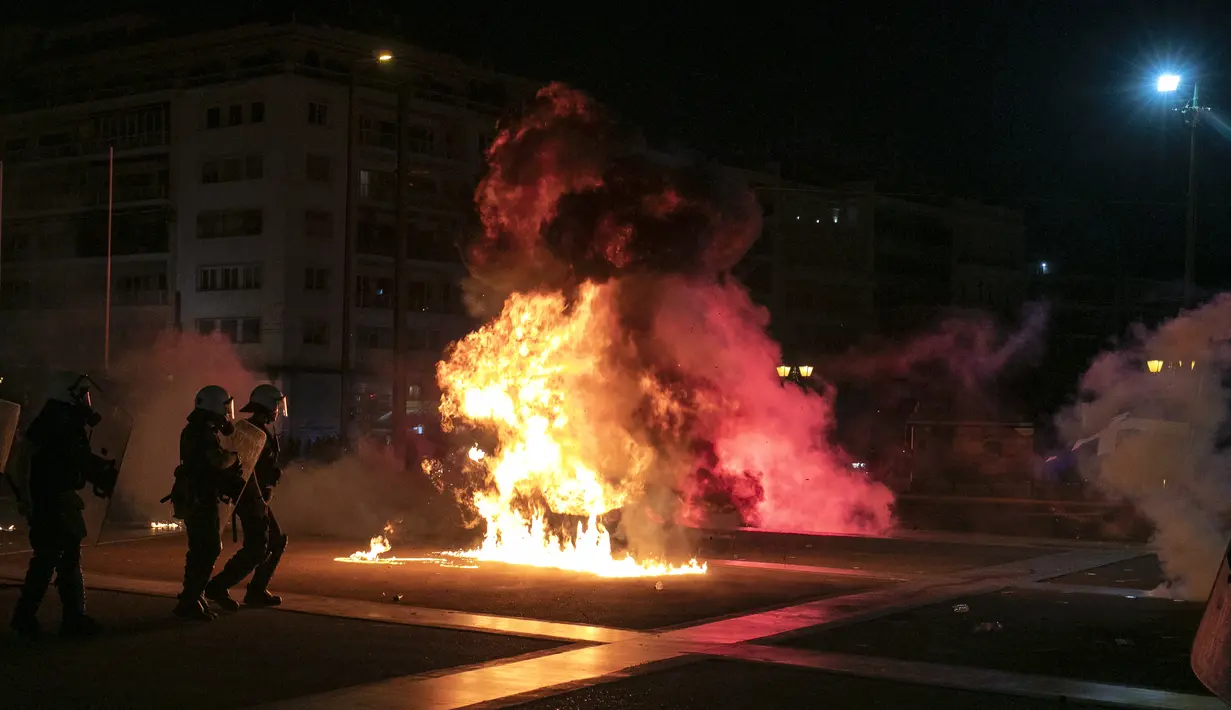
{"x": 658, "y": 586}
{"x": 961, "y": 608}
{"x": 989, "y": 626}
{"x": 397, "y": 598}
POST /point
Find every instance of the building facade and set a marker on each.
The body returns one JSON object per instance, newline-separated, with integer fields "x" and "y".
{"x": 230, "y": 202}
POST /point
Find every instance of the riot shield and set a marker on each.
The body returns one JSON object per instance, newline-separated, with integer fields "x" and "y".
{"x": 12, "y": 481}
{"x": 248, "y": 441}
{"x": 109, "y": 442}
{"x": 1211, "y": 654}
{"x": 10, "y": 413}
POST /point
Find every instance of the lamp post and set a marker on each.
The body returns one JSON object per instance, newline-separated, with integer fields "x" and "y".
{"x": 1170, "y": 83}
{"x": 348, "y": 246}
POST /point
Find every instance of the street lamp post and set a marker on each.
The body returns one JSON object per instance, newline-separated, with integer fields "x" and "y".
{"x": 1168, "y": 83}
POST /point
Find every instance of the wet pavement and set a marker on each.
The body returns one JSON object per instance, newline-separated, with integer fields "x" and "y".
{"x": 147, "y": 658}
{"x": 1144, "y": 572}
{"x": 309, "y": 568}
{"x": 712, "y": 684}
{"x": 1090, "y": 636}
{"x": 780, "y": 620}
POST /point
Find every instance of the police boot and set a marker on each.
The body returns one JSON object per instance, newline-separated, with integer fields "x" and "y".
{"x": 25, "y": 623}
{"x": 261, "y": 598}
{"x": 193, "y": 609}
{"x": 72, "y": 598}
{"x": 217, "y": 593}
{"x": 258, "y": 594}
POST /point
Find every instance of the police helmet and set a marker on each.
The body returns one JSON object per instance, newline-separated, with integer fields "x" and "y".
{"x": 216, "y": 400}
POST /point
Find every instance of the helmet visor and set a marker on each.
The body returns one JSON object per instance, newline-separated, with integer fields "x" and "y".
{"x": 283, "y": 407}
{"x": 230, "y": 409}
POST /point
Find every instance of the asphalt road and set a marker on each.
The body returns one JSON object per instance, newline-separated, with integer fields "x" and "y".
{"x": 1138, "y": 641}
{"x": 308, "y": 568}
{"x": 715, "y": 684}
{"x": 149, "y": 659}
{"x": 1144, "y": 572}
{"x": 888, "y": 556}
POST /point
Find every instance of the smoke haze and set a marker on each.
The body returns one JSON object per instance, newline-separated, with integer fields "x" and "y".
{"x": 1163, "y": 438}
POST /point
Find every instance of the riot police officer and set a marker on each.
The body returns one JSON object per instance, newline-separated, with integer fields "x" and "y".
{"x": 60, "y": 464}
{"x": 264, "y": 540}
{"x": 207, "y": 474}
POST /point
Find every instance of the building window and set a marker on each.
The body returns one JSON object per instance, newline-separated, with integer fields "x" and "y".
{"x": 257, "y": 111}
{"x": 378, "y": 185}
{"x": 235, "y": 115}
{"x": 418, "y": 297}
{"x": 315, "y": 279}
{"x": 16, "y": 294}
{"x": 146, "y": 290}
{"x": 318, "y": 113}
{"x": 233, "y": 169}
{"x": 229, "y": 277}
{"x": 315, "y": 331}
{"x": 213, "y": 117}
{"x": 378, "y": 133}
{"x": 420, "y": 139}
{"x": 229, "y": 223}
{"x": 374, "y": 291}
{"x": 318, "y": 168}
{"x": 318, "y": 224}
{"x": 237, "y": 330}
{"x": 375, "y": 337}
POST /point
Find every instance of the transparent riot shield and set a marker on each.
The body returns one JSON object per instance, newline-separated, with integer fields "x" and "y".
{"x": 13, "y": 481}
{"x": 10, "y": 413}
{"x": 248, "y": 441}
{"x": 1211, "y": 653}
{"x": 109, "y": 443}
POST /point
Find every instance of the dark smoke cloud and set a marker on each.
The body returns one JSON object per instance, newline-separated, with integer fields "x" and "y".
{"x": 570, "y": 197}
{"x": 1160, "y": 440}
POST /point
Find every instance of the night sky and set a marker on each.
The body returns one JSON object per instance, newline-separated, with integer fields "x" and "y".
{"x": 1045, "y": 106}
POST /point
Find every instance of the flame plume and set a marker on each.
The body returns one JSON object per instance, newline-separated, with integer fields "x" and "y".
{"x": 533, "y": 375}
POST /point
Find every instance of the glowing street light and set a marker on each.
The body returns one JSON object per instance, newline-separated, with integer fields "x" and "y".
{"x": 805, "y": 370}
{"x": 1168, "y": 83}
{"x": 783, "y": 370}
{"x": 1155, "y": 366}
{"x": 384, "y": 57}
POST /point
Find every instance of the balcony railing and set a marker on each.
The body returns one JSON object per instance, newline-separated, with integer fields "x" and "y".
{"x": 98, "y": 146}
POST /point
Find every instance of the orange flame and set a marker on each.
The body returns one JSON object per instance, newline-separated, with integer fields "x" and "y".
{"x": 535, "y": 376}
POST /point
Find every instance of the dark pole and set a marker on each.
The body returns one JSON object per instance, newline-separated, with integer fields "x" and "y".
{"x": 399, "y": 285}
{"x": 348, "y": 257}
{"x": 1190, "y": 242}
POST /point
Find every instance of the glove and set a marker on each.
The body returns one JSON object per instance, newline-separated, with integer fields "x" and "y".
{"x": 233, "y": 481}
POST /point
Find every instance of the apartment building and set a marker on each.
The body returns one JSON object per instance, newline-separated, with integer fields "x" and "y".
{"x": 229, "y": 200}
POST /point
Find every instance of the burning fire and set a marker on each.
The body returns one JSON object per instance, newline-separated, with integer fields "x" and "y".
{"x": 154, "y": 525}
{"x": 378, "y": 546}
{"x": 527, "y": 374}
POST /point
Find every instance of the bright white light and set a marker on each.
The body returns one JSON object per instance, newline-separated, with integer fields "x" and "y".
{"x": 1043, "y": 266}
{"x": 1168, "y": 82}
